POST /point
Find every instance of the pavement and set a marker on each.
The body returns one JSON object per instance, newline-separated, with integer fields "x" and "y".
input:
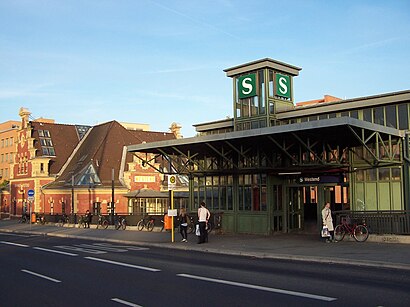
{"x": 382, "y": 251}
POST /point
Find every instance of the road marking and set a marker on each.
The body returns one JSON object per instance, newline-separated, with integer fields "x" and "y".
{"x": 128, "y": 247}
{"x": 80, "y": 249}
{"x": 124, "y": 264}
{"x": 125, "y": 302}
{"x": 281, "y": 291}
{"x": 16, "y": 235}
{"x": 105, "y": 248}
{"x": 14, "y": 244}
{"x": 54, "y": 251}
{"x": 42, "y": 276}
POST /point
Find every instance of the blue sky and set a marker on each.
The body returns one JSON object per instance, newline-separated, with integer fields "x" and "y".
{"x": 162, "y": 61}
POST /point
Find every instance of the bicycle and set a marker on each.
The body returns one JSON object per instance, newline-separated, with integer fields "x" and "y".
{"x": 147, "y": 223}
{"x": 40, "y": 219}
{"x": 63, "y": 220}
{"x": 102, "y": 222}
{"x": 358, "y": 231}
{"x": 24, "y": 219}
{"x": 82, "y": 221}
{"x": 120, "y": 223}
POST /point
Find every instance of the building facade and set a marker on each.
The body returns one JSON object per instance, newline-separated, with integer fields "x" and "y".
{"x": 272, "y": 166}
{"x": 74, "y": 168}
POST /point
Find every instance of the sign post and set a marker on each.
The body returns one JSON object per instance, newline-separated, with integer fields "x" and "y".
{"x": 30, "y": 198}
{"x": 172, "y": 213}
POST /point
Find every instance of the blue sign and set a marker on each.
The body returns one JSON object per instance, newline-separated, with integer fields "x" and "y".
{"x": 30, "y": 192}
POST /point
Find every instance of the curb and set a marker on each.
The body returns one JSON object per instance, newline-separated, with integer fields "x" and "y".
{"x": 300, "y": 258}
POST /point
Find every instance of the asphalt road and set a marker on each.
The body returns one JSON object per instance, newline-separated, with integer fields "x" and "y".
{"x": 47, "y": 271}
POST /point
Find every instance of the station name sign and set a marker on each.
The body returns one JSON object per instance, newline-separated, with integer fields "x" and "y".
{"x": 319, "y": 179}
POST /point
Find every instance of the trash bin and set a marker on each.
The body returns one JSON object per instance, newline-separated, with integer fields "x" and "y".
{"x": 167, "y": 222}
{"x": 33, "y": 217}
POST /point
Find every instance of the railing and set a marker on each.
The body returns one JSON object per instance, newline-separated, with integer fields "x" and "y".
{"x": 380, "y": 222}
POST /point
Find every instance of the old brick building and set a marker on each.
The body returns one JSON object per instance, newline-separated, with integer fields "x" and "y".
{"x": 73, "y": 168}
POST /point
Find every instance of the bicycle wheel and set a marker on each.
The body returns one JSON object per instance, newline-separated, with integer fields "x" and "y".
{"x": 123, "y": 224}
{"x": 150, "y": 225}
{"x": 117, "y": 225}
{"x": 209, "y": 227}
{"x": 360, "y": 233}
{"x": 105, "y": 224}
{"x": 140, "y": 225}
{"x": 339, "y": 233}
{"x": 190, "y": 228}
{"x": 60, "y": 223}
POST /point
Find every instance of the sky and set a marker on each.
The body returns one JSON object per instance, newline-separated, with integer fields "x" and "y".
{"x": 161, "y": 61}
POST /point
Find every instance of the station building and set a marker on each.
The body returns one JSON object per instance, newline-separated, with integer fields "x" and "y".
{"x": 272, "y": 166}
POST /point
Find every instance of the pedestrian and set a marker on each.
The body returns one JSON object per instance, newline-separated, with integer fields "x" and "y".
{"x": 203, "y": 218}
{"x": 87, "y": 219}
{"x": 327, "y": 221}
{"x": 183, "y": 224}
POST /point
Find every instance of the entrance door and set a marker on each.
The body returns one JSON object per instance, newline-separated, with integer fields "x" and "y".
{"x": 295, "y": 209}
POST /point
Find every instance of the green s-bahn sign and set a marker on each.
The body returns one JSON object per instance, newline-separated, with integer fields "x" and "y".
{"x": 247, "y": 86}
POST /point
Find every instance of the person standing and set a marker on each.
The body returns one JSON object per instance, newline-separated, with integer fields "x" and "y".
{"x": 203, "y": 218}
{"x": 87, "y": 219}
{"x": 183, "y": 224}
{"x": 328, "y": 221}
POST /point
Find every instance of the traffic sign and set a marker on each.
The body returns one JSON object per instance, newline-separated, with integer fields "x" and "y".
{"x": 30, "y": 193}
{"x": 172, "y": 180}
{"x": 30, "y": 198}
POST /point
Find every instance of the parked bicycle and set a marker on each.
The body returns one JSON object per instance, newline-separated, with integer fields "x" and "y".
{"x": 147, "y": 223}
{"x": 120, "y": 222}
{"x": 24, "y": 219}
{"x": 65, "y": 219}
{"x": 102, "y": 222}
{"x": 40, "y": 219}
{"x": 82, "y": 221}
{"x": 358, "y": 231}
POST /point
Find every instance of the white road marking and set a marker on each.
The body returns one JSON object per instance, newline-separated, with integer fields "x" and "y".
{"x": 124, "y": 264}
{"x": 128, "y": 247}
{"x": 42, "y": 276}
{"x": 54, "y": 251}
{"x": 14, "y": 244}
{"x": 16, "y": 235}
{"x": 280, "y": 291}
{"x": 125, "y": 302}
{"x": 81, "y": 249}
{"x": 105, "y": 248}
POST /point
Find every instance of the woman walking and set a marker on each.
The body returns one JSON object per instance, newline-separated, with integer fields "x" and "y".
{"x": 328, "y": 222}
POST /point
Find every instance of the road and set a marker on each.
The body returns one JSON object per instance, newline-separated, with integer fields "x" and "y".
{"x": 47, "y": 271}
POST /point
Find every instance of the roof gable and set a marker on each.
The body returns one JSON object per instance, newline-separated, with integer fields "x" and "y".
{"x": 101, "y": 151}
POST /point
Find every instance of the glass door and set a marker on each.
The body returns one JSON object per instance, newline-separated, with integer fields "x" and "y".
{"x": 295, "y": 209}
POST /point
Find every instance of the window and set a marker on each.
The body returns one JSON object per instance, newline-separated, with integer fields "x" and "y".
{"x": 403, "y": 116}
{"x": 354, "y": 114}
{"x": 252, "y": 192}
{"x": 378, "y": 115}
{"x": 367, "y": 115}
{"x": 391, "y": 116}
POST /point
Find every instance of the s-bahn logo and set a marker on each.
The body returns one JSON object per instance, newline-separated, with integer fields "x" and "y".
{"x": 282, "y": 86}
{"x": 247, "y": 86}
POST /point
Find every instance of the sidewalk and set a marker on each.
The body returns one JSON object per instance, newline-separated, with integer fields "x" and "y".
{"x": 378, "y": 251}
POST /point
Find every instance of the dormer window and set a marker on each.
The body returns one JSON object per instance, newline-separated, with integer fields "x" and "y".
{"x": 46, "y": 143}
